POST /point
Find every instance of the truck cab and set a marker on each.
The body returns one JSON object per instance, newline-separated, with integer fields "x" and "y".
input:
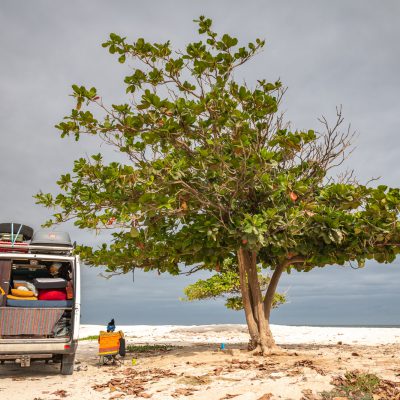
{"x": 39, "y": 298}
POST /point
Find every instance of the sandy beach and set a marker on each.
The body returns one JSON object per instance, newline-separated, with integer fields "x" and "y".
{"x": 192, "y": 366}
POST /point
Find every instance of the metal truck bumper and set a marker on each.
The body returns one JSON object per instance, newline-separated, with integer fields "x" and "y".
{"x": 26, "y": 347}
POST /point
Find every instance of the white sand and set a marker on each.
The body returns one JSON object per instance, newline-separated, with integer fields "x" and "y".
{"x": 236, "y": 333}
{"x": 208, "y": 373}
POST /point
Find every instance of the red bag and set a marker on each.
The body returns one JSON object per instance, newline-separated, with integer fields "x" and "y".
{"x": 52, "y": 294}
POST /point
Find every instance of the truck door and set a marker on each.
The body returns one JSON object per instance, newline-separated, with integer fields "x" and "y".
{"x": 77, "y": 297}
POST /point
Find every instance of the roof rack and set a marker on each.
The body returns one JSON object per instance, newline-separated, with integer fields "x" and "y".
{"x": 34, "y": 248}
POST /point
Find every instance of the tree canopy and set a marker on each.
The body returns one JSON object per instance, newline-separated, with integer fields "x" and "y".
{"x": 226, "y": 285}
{"x": 214, "y": 172}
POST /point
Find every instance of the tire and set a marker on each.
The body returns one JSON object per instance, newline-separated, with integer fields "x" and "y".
{"x": 67, "y": 364}
{"x": 122, "y": 350}
{"x": 26, "y": 231}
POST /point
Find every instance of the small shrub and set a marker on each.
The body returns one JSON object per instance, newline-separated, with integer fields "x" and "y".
{"x": 148, "y": 348}
{"x": 354, "y": 386}
{"x": 92, "y": 337}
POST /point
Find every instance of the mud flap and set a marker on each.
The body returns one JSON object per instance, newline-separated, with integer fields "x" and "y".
{"x": 67, "y": 364}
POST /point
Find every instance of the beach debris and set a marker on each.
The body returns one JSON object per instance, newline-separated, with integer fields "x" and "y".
{"x": 309, "y": 395}
{"x": 389, "y": 389}
{"x": 243, "y": 364}
{"x": 198, "y": 364}
{"x": 235, "y": 364}
{"x": 183, "y": 392}
{"x": 354, "y": 354}
{"x": 194, "y": 380}
{"x": 60, "y": 393}
{"x": 133, "y": 382}
{"x": 309, "y": 364}
{"x": 117, "y": 396}
{"x": 228, "y": 396}
{"x": 357, "y": 385}
{"x": 80, "y": 367}
{"x": 304, "y": 363}
{"x": 266, "y": 396}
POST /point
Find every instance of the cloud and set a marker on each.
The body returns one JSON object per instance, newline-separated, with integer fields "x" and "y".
{"x": 327, "y": 53}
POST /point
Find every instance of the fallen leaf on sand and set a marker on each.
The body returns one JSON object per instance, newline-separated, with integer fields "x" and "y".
{"x": 304, "y": 363}
{"x": 309, "y": 364}
{"x": 308, "y": 395}
{"x": 183, "y": 392}
{"x": 293, "y": 196}
{"x": 266, "y": 396}
{"x": 117, "y": 396}
{"x": 60, "y": 393}
{"x": 198, "y": 364}
{"x": 194, "y": 380}
{"x": 217, "y": 371}
{"x": 228, "y": 396}
{"x": 134, "y": 380}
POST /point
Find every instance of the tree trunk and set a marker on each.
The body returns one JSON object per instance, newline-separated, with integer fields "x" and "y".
{"x": 254, "y": 305}
{"x": 273, "y": 284}
{"x": 248, "y": 309}
{"x": 267, "y": 342}
{"x": 255, "y": 312}
{"x": 257, "y": 309}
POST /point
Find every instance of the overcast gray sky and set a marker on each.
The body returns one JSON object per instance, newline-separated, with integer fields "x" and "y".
{"x": 327, "y": 53}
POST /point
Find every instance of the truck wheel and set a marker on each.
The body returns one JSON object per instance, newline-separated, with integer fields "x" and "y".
{"x": 122, "y": 347}
{"x": 67, "y": 364}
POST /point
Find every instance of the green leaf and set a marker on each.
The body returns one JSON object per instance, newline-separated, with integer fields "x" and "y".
{"x": 134, "y": 232}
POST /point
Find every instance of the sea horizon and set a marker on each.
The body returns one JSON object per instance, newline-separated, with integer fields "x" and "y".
{"x": 276, "y": 324}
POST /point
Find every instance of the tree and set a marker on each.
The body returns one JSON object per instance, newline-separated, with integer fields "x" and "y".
{"x": 226, "y": 284}
{"x": 213, "y": 172}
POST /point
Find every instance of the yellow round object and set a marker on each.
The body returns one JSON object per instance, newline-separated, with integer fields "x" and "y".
{"x": 22, "y": 293}
{"x": 11, "y": 297}
{"x": 134, "y": 361}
